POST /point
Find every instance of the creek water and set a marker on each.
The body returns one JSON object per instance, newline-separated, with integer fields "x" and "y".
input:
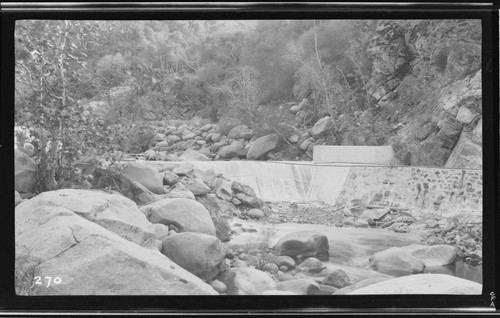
{"x": 349, "y": 248}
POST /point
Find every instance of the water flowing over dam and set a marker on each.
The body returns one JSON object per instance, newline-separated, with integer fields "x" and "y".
{"x": 339, "y": 174}
{"x": 278, "y": 181}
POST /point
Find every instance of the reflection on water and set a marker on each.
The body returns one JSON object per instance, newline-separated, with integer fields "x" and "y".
{"x": 459, "y": 269}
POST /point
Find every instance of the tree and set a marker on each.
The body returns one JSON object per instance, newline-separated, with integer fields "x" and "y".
{"x": 51, "y": 77}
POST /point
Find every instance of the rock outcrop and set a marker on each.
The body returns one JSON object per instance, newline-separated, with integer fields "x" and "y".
{"x": 56, "y": 233}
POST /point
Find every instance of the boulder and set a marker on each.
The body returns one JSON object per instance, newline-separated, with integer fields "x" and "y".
{"x": 196, "y": 186}
{"x": 322, "y": 127}
{"x": 360, "y": 284}
{"x": 396, "y": 261}
{"x": 286, "y": 261}
{"x": 172, "y": 139}
{"x": 337, "y": 279}
{"x": 374, "y": 214}
{"x": 209, "y": 177}
{"x": 53, "y": 233}
{"x": 251, "y": 260}
{"x": 217, "y": 209}
{"x": 187, "y": 215}
{"x": 206, "y": 127}
{"x": 306, "y": 144}
{"x": 161, "y": 231}
{"x": 262, "y": 146}
{"x": 219, "y": 286}
{"x": 216, "y": 137}
{"x": 243, "y": 188}
{"x": 224, "y": 190}
{"x": 198, "y": 253}
{"x": 294, "y": 138}
{"x": 256, "y": 214}
{"x": 113, "y": 212}
{"x": 422, "y": 284}
{"x": 305, "y": 243}
{"x": 105, "y": 178}
{"x": 179, "y": 194}
{"x": 187, "y": 135}
{"x": 25, "y": 172}
{"x": 250, "y": 201}
{"x": 185, "y": 169}
{"x": 215, "y": 147}
{"x": 436, "y": 255}
{"x": 239, "y": 132}
{"x": 466, "y": 115}
{"x": 232, "y": 151}
{"x": 299, "y": 286}
{"x": 326, "y": 290}
{"x": 170, "y": 178}
{"x": 193, "y": 155}
{"x": 312, "y": 265}
{"x": 271, "y": 268}
{"x": 146, "y": 176}
{"x": 246, "y": 281}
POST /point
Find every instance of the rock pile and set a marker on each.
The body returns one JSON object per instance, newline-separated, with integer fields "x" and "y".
{"x": 195, "y": 142}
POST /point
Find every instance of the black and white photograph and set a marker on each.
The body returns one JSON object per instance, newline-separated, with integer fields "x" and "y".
{"x": 248, "y": 157}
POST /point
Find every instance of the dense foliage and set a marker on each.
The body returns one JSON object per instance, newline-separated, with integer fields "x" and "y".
{"x": 132, "y": 72}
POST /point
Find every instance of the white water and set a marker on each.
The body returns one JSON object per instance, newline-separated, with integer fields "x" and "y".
{"x": 277, "y": 181}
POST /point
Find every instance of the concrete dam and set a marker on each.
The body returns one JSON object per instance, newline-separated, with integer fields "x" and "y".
{"x": 442, "y": 191}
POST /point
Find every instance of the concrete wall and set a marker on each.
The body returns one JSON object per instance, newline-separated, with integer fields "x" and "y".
{"x": 353, "y": 154}
{"x": 442, "y": 191}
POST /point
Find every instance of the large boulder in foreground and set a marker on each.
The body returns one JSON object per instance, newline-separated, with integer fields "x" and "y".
{"x": 25, "y": 172}
{"x": 200, "y": 254}
{"x": 305, "y": 243}
{"x": 423, "y": 284}
{"x": 262, "y": 146}
{"x": 146, "y": 176}
{"x": 111, "y": 211}
{"x": 187, "y": 215}
{"x": 412, "y": 259}
{"x": 247, "y": 281}
{"x": 56, "y": 240}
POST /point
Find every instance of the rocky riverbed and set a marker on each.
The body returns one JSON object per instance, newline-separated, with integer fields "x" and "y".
{"x": 462, "y": 231}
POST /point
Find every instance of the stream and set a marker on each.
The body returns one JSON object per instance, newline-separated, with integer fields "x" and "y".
{"x": 349, "y": 248}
